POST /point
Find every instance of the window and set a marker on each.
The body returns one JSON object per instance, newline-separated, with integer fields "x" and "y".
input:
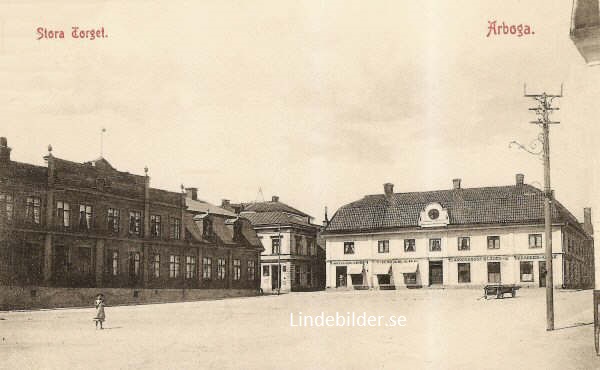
{"x": 134, "y": 264}
{"x": 297, "y": 275}
{"x": 6, "y": 206}
{"x": 174, "y": 262}
{"x": 155, "y": 226}
{"x": 207, "y": 229}
{"x": 114, "y": 263}
{"x": 493, "y": 242}
{"x": 275, "y": 245}
{"x": 409, "y": 245}
{"x": 175, "y": 228}
{"x": 190, "y": 267}
{"x": 85, "y": 216}
{"x": 113, "y": 220}
{"x": 348, "y": 247}
{"x": 464, "y": 272}
{"x": 221, "y": 269}
{"x": 383, "y": 246}
{"x": 265, "y": 270}
{"x": 464, "y": 243}
{"x": 526, "y": 268}
{"x": 135, "y": 222}
{"x": 493, "y": 272}
{"x": 33, "y": 210}
{"x": 410, "y": 279}
{"x": 251, "y": 270}
{"x": 435, "y": 245}
{"x": 156, "y": 266}
{"x": 299, "y": 245}
{"x": 535, "y": 240}
{"x": 312, "y": 246}
{"x": 63, "y": 213}
{"x": 206, "y": 268}
{"x": 237, "y": 269}
{"x": 237, "y": 231}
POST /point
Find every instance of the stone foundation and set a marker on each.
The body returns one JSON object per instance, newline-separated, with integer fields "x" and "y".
{"x": 35, "y": 297}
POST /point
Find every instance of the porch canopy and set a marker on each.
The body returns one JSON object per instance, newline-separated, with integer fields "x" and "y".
{"x": 355, "y": 268}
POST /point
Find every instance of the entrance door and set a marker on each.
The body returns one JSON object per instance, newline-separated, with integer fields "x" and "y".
{"x": 542, "y": 274}
{"x": 340, "y": 276}
{"x": 436, "y": 273}
{"x": 275, "y": 284}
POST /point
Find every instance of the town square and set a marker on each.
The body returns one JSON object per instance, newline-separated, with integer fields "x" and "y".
{"x": 299, "y": 184}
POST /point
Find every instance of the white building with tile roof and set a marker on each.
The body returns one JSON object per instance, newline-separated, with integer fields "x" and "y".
{"x": 292, "y": 260}
{"x": 466, "y": 237}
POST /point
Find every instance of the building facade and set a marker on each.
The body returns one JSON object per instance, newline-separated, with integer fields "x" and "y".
{"x": 456, "y": 238}
{"x": 292, "y": 260}
{"x": 88, "y": 225}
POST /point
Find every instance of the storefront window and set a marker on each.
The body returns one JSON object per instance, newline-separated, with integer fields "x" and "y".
{"x": 494, "y": 272}
{"x": 464, "y": 272}
{"x": 526, "y": 268}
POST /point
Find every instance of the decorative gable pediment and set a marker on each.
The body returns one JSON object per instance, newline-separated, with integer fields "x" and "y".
{"x": 434, "y": 215}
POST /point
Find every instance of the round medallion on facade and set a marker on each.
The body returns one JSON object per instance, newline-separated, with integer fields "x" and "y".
{"x": 433, "y": 214}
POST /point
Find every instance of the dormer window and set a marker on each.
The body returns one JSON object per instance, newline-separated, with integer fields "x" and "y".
{"x": 207, "y": 230}
{"x": 434, "y": 215}
{"x": 237, "y": 230}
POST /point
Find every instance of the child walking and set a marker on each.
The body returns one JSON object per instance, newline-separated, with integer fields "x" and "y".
{"x": 100, "y": 315}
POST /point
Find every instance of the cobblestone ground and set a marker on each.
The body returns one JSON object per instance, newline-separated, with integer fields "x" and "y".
{"x": 445, "y": 329}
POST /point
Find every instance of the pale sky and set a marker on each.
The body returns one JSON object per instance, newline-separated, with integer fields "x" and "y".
{"x": 319, "y": 102}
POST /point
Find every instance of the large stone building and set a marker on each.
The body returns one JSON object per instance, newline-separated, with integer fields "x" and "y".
{"x": 458, "y": 237}
{"x": 88, "y": 225}
{"x": 292, "y": 260}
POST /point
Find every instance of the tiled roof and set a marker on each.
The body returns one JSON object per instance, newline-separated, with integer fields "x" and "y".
{"x": 517, "y": 204}
{"x": 275, "y": 218}
{"x": 223, "y": 230}
{"x": 272, "y": 207}
{"x": 203, "y": 207}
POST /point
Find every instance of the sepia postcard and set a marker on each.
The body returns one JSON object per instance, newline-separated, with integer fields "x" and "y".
{"x": 309, "y": 184}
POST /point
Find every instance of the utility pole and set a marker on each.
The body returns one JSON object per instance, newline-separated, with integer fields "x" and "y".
{"x": 543, "y": 110}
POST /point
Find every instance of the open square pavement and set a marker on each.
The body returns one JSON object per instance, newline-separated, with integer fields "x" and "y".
{"x": 444, "y": 329}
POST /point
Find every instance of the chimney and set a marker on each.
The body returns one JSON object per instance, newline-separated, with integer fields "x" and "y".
{"x": 192, "y": 193}
{"x": 456, "y": 184}
{"x": 274, "y": 198}
{"x": 225, "y": 203}
{"x": 587, "y": 221}
{"x": 4, "y": 150}
{"x": 520, "y": 179}
{"x": 388, "y": 189}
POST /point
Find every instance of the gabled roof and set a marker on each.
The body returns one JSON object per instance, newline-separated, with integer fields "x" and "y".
{"x": 223, "y": 228}
{"x": 200, "y": 206}
{"x": 275, "y": 218}
{"x": 516, "y": 204}
{"x": 272, "y": 206}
